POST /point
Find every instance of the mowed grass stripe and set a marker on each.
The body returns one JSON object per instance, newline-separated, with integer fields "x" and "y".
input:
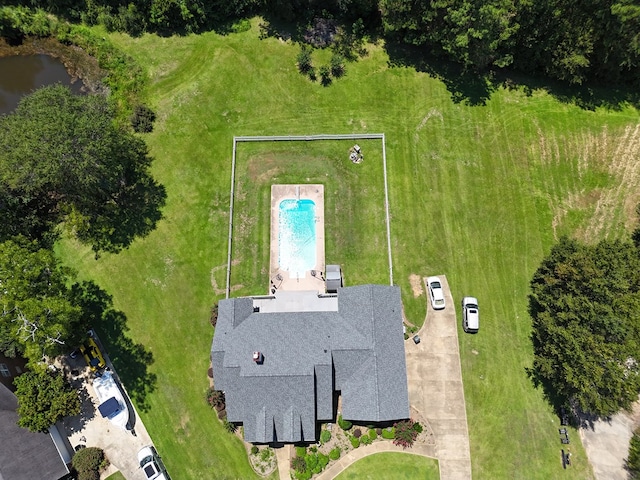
{"x": 474, "y": 193}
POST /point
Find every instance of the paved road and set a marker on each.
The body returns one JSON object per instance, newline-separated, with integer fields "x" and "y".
{"x": 607, "y": 444}
{"x": 435, "y": 387}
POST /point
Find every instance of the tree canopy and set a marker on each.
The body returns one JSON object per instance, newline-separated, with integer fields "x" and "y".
{"x": 585, "y": 307}
{"x": 571, "y": 41}
{"x": 62, "y": 157}
{"x": 44, "y": 397}
{"x": 39, "y": 317}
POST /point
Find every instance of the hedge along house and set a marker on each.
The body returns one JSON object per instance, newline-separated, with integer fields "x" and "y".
{"x": 281, "y": 359}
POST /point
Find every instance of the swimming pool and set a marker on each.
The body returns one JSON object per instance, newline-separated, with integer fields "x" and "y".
{"x": 297, "y": 236}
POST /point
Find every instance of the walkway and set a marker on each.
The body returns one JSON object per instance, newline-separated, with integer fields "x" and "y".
{"x": 435, "y": 387}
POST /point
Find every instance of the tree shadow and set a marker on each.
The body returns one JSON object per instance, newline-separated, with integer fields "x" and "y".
{"x": 131, "y": 360}
{"x": 464, "y": 86}
{"x": 131, "y": 212}
{"x": 475, "y": 88}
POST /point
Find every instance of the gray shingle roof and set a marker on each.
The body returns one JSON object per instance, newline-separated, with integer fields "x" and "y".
{"x": 25, "y": 455}
{"x": 358, "y": 349}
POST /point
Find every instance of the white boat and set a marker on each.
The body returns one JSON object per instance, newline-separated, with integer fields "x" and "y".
{"x": 112, "y": 403}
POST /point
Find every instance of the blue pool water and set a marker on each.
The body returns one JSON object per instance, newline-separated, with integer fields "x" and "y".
{"x": 297, "y": 236}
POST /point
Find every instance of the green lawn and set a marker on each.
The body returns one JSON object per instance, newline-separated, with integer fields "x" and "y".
{"x": 116, "y": 476}
{"x": 354, "y": 215}
{"x": 392, "y": 465}
{"x": 476, "y": 193}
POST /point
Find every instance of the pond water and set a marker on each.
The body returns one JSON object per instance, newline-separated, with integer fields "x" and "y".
{"x": 22, "y": 74}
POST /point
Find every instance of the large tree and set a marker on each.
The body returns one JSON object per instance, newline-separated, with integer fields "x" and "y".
{"x": 39, "y": 318}
{"x": 44, "y": 397}
{"x": 585, "y": 306}
{"x": 63, "y": 157}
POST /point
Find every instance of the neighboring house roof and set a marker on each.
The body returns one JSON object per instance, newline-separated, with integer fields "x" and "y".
{"x": 357, "y": 348}
{"x": 25, "y": 455}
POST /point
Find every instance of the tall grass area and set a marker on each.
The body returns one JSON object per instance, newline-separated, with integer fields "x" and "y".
{"x": 477, "y": 193}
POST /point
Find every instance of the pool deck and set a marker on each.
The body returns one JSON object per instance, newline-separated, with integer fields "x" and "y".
{"x": 280, "y": 279}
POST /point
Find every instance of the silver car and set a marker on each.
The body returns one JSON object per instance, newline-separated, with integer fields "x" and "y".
{"x": 436, "y": 294}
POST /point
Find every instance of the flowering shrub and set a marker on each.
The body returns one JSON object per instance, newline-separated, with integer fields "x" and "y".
{"x": 405, "y": 434}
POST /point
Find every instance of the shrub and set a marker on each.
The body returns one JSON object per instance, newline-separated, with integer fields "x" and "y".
{"x": 142, "y": 119}
{"x": 357, "y": 433}
{"x": 632, "y": 463}
{"x": 405, "y": 434}
{"x": 323, "y": 461}
{"x": 373, "y": 434}
{"x": 365, "y": 439}
{"x": 389, "y": 433}
{"x": 254, "y": 450}
{"x": 88, "y": 462}
{"x": 266, "y": 454}
{"x": 325, "y": 436}
{"x": 301, "y": 451}
{"x": 344, "y": 424}
{"x": 334, "y": 454}
{"x": 311, "y": 461}
{"x": 304, "y": 475}
{"x": 417, "y": 427}
{"x": 216, "y": 399}
{"x": 304, "y": 60}
{"x": 337, "y": 65}
{"x": 313, "y": 449}
{"x": 298, "y": 464}
{"x": 229, "y": 426}
{"x": 355, "y": 442}
{"x": 325, "y": 75}
{"x": 213, "y": 319}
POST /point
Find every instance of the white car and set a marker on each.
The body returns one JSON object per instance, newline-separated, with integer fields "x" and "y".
{"x": 470, "y": 315}
{"x": 151, "y": 464}
{"x": 436, "y": 294}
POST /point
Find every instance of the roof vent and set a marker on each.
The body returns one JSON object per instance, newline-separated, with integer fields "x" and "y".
{"x": 258, "y": 358}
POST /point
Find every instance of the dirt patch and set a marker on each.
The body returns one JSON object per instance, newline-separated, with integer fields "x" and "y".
{"x": 416, "y": 285}
{"x": 260, "y": 169}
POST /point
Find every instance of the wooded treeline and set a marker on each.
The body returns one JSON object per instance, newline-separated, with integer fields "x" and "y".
{"x": 569, "y": 40}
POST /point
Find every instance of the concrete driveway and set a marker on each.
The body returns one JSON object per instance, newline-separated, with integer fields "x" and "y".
{"x": 89, "y": 429}
{"x": 435, "y": 387}
{"x": 607, "y": 443}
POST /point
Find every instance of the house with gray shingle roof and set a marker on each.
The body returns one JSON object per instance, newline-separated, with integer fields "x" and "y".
{"x": 26, "y": 455}
{"x": 312, "y": 346}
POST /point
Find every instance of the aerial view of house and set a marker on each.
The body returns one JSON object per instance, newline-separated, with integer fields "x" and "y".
{"x": 311, "y": 347}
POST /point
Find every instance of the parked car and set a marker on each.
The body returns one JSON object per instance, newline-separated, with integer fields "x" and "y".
{"x": 151, "y": 464}
{"x": 436, "y": 294}
{"x": 93, "y": 355}
{"x": 470, "y": 315}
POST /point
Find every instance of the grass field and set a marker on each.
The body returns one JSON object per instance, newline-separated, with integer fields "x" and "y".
{"x": 392, "y": 465}
{"x": 477, "y": 193}
{"x": 354, "y": 215}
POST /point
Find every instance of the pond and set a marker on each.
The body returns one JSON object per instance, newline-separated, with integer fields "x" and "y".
{"x": 22, "y": 74}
